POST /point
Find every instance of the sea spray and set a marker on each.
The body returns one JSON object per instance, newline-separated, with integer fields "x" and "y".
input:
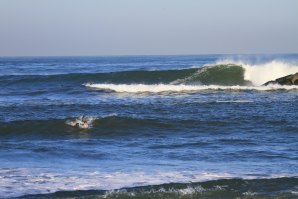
{"x": 259, "y": 74}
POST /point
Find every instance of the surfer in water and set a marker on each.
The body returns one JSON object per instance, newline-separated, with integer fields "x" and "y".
{"x": 84, "y": 125}
{"x": 81, "y": 122}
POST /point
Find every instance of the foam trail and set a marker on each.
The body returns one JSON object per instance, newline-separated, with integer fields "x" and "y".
{"x": 259, "y": 74}
{"x": 158, "y": 88}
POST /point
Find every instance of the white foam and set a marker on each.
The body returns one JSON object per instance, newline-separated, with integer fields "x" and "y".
{"x": 16, "y": 182}
{"x": 259, "y": 74}
{"x": 23, "y": 181}
{"x": 186, "y": 191}
{"x": 234, "y": 101}
{"x": 158, "y": 88}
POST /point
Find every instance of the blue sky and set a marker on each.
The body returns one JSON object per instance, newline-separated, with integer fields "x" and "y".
{"x": 147, "y": 27}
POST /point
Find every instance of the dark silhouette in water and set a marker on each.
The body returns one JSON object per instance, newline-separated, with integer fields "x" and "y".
{"x": 286, "y": 80}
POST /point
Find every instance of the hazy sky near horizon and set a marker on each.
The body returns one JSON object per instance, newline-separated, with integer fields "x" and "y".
{"x": 147, "y": 27}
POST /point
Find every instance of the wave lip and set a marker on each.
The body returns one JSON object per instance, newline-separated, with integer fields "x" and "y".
{"x": 159, "y": 88}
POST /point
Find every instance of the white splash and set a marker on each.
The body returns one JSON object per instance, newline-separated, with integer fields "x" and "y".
{"x": 83, "y": 122}
{"x": 259, "y": 74}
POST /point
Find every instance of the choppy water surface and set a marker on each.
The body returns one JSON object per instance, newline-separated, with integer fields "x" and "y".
{"x": 158, "y": 127}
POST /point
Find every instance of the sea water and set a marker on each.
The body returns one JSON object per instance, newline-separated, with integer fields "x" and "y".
{"x": 158, "y": 127}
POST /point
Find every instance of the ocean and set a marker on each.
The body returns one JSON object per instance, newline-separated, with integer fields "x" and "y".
{"x": 195, "y": 126}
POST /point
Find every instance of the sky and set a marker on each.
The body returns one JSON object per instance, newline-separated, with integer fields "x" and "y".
{"x": 147, "y": 27}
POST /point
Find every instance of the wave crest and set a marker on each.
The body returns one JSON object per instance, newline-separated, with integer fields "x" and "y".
{"x": 259, "y": 74}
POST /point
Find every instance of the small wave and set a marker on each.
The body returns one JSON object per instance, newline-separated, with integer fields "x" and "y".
{"x": 23, "y": 178}
{"x": 159, "y": 88}
{"x": 219, "y": 188}
{"x": 65, "y": 127}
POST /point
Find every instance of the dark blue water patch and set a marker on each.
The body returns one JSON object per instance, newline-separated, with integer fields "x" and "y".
{"x": 126, "y": 125}
{"x": 28, "y": 151}
{"x": 59, "y": 128}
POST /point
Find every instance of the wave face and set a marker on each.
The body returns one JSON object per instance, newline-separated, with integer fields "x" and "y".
{"x": 222, "y": 74}
{"x": 218, "y": 75}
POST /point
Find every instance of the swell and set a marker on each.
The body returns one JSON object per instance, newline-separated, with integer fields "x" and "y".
{"x": 61, "y": 127}
{"x": 114, "y": 77}
{"x": 224, "y": 188}
{"x": 219, "y": 75}
{"x": 104, "y": 126}
{"x": 226, "y": 73}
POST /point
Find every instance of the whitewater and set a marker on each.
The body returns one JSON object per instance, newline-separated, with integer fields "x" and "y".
{"x": 157, "y": 88}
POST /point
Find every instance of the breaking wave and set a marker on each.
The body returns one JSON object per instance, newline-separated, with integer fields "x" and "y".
{"x": 223, "y": 73}
{"x": 259, "y": 74}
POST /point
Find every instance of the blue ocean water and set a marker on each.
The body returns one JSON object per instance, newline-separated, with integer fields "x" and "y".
{"x": 158, "y": 127}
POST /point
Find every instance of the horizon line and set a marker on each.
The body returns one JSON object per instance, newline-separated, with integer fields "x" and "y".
{"x": 149, "y": 55}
